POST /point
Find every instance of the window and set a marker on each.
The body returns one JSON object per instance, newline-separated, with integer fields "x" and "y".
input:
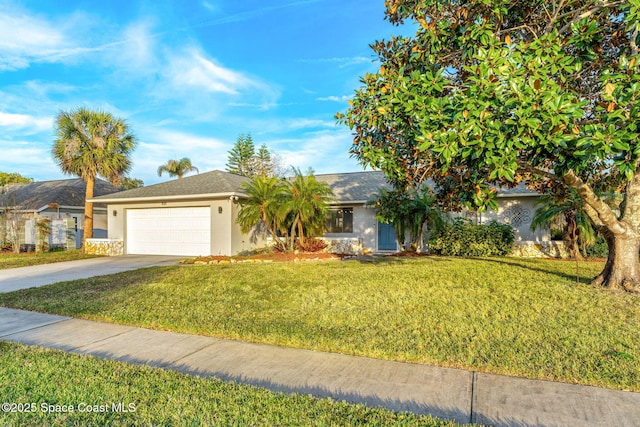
{"x": 340, "y": 221}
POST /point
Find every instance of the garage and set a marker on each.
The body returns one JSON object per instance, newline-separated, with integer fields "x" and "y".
{"x": 184, "y": 231}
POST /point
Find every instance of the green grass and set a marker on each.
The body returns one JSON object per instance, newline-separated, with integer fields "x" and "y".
{"x": 158, "y": 397}
{"x": 11, "y": 260}
{"x": 519, "y": 317}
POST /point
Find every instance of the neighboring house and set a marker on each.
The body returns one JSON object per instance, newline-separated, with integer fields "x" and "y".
{"x": 196, "y": 215}
{"x": 61, "y": 201}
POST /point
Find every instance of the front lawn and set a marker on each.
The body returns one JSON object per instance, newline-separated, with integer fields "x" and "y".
{"x": 510, "y": 316}
{"x": 67, "y": 389}
{"x": 12, "y": 260}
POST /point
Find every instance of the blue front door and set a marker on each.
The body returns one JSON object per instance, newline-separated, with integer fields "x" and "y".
{"x": 386, "y": 237}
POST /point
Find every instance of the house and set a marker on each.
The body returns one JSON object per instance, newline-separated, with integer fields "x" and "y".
{"x": 60, "y": 201}
{"x": 191, "y": 216}
{"x": 357, "y": 222}
{"x": 196, "y": 215}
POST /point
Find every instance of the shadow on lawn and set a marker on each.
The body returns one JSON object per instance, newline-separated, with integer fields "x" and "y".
{"x": 395, "y": 258}
{"x": 400, "y": 259}
{"x": 81, "y": 296}
{"x": 506, "y": 261}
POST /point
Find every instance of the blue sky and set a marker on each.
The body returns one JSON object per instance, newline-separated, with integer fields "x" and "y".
{"x": 188, "y": 77}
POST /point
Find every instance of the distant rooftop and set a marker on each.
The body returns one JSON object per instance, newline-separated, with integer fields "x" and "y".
{"x": 64, "y": 192}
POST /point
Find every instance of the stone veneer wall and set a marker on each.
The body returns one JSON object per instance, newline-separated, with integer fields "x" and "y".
{"x": 108, "y": 247}
{"x": 547, "y": 249}
{"x": 347, "y": 245}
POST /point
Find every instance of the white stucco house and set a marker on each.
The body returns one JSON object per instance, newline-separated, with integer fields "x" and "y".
{"x": 353, "y": 190}
{"x": 196, "y": 215}
{"x": 191, "y": 216}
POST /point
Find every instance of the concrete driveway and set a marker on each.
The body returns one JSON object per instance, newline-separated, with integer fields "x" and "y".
{"x": 40, "y": 275}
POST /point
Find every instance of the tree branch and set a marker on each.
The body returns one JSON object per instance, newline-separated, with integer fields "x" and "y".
{"x": 593, "y": 216}
{"x": 586, "y": 14}
{"x": 631, "y": 211}
{"x": 594, "y": 204}
{"x": 632, "y": 42}
{"x": 554, "y": 18}
{"x": 526, "y": 167}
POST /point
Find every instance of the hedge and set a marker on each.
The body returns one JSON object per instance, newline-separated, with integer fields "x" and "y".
{"x": 462, "y": 238}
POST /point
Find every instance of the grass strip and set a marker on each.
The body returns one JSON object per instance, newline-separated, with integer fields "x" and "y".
{"x": 65, "y": 389}
{"x": 12, "y": 260}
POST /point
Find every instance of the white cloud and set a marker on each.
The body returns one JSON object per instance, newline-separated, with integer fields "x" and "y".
{"x": 24, "y": 121}
{"x": 159, "y": 145}
{"x": 136, "y": 49}
{"x": 323, "y": 151}
{"x": 209, "y": 6}
{"x": 191, "y": 68}
{"x": 340, "y": 61}
{"x": 25, "y": 37}
{"x": 176, "y": 141}
{"x": 343, "y": 98}
{"x": 27, "y": 159}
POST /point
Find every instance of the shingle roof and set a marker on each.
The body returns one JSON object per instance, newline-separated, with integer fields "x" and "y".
{"x": 208, "y": 183}
{"x": 348, "y": 187}
{"x": 64, "y": 192}
{"x": 355, "y": 186}
{"x": 364, "y": 186}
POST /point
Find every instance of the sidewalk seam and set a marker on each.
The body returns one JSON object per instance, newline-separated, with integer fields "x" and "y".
{"x": 103, "y": 339}
{"x": 168, "y": 364}
{"x": 474, "y": 379}
{"x": 36, "y": 327}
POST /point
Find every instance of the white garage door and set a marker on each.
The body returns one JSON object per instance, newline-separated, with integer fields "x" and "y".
{"x": 169, "y": 231}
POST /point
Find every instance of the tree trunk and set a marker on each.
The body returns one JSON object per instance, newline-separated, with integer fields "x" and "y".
{"x": 622, "y": 270}
{"x": 88, "y": 212}
{"x": 572, "y": 236}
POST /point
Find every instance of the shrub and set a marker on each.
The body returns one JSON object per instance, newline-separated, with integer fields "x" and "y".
{"x": 311, "y": 244}
{"x": 462, "y": 238}
{"x": 279, "y": 247}
{"x": 599, "y": 249}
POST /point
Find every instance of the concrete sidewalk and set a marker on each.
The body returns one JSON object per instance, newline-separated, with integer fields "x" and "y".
{"x": 45, "y": 274}
{"x": 453, "y": 394}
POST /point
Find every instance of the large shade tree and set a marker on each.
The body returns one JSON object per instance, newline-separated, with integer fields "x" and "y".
{"x": 92, "y": 144}
{"x": 499, "y": 92}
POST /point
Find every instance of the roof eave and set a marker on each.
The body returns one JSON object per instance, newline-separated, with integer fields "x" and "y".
{"x": 80, "y": 208}
{"x": 168, "y": 198}
{"x": 503, "y": 195}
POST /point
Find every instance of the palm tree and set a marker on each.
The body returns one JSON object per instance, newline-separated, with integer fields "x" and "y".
{"x": 307, "y": 206}
{"x": 177, "y": 167}
{"x": 90, "y": 144}
{"x": 260, "y": 209}
{"x": 577, "y": 228}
